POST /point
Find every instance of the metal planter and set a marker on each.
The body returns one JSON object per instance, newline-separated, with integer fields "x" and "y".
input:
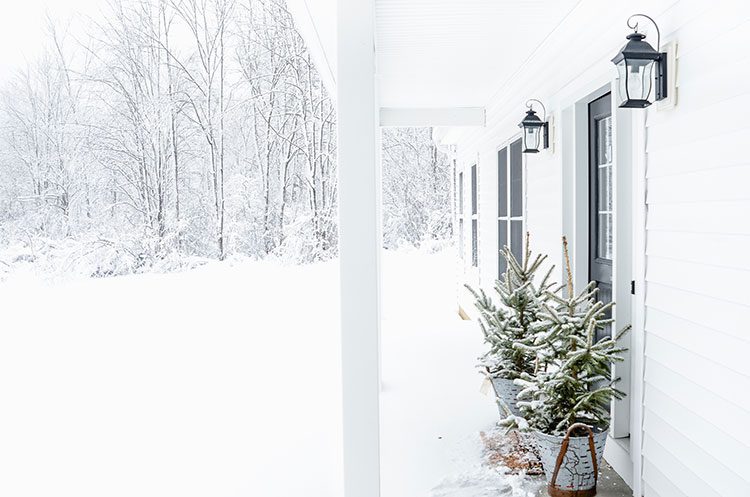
{"x": 507, "y": 394}
{"x": 571, "y": 464}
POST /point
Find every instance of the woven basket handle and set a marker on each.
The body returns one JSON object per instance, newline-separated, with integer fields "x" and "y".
{"x": 564, "y": 449}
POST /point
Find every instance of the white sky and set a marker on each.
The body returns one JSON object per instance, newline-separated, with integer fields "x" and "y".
{"x": 22, "y": 26}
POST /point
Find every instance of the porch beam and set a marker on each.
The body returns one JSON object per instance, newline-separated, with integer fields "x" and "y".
{"x": 439, "y": 116}
{"x": 359, "y": 244}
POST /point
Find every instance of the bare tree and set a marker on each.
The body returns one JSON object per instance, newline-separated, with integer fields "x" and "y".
{"x": 136, "y": 125}
{"x": 191, "y": 127}
{"x": 43, "y": 132}
{"x": 294, "y": 129}
{"x": 416, "y": 188}
{"x": 207, "y": 96}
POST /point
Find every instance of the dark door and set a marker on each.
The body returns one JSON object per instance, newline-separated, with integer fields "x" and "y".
{"x": 601, "y": 163}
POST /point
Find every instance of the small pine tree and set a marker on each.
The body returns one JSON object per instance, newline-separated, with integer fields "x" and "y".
{"x": 573, "y": 382}
{"x": 509, "y": 328}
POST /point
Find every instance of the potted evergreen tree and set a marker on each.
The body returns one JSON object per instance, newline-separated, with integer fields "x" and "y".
{"x": 508, "y": 328}
{"x": 565, "y": 402}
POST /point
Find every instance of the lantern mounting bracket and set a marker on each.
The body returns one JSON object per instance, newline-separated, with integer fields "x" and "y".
{"x": 634, "y": 27}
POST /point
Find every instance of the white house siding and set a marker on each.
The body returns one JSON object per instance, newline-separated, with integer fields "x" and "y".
{"x": 697, "y": 376}
{"x": 696, "y": 389}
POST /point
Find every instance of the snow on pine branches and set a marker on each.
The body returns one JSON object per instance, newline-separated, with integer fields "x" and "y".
{"x": 508, "y": 328}
{"x": 573, "y": 381}
{"x": 544, "y": 338}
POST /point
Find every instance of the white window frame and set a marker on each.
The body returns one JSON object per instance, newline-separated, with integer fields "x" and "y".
{"x": 460, "y": 212}
{"x": 474, "y": 206}
{"x": 509, "y": 218}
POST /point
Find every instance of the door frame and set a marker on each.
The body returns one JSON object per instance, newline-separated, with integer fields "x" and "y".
{"x": 622, "y": 256}
{"x": 629, "y": 251}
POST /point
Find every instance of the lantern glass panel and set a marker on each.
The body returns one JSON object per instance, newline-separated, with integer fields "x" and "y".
{"x": 622, "y": 82}
{"x": 531, "y": 136}
{"x": 639, "y": 78}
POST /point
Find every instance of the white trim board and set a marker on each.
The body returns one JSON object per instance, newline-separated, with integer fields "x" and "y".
{"x": 423, "y": 117}
{"x": 622, "y": 273}
{"x": 639, "y": 299}
{"x": 617, "y": 454}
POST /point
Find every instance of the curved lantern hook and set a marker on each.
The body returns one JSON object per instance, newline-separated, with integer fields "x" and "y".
{"x": 544, "y": 109}
{"x": 635, "y": 28}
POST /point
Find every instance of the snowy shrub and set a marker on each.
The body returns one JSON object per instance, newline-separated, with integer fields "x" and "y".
{"x": 91, "y": 257}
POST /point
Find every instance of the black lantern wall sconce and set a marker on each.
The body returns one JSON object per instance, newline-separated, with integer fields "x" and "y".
{"x": 534, "y": 129}
{"x": 636, "y": 63}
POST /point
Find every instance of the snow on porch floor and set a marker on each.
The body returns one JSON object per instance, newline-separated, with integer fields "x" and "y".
{"x": 225, "y": 381}
{"x": 431, "y": 407}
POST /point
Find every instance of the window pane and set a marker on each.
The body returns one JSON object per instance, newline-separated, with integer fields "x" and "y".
{"x": 516, "y": 185}
{"x": 516, "y": 239}
{"x": 474, "y": 189}
{"x": 474, "y": 240}
{"x": 604, "y": 203}
{"x": 502, "y": 183}
{"x": 502, "y": 241}
{"x": 461, "y": 238}
{"x": 604, "y": 236}
{"x": 604, "y": 136}
{"x": 460, "y": 194}
{"x": 604, "y": 189}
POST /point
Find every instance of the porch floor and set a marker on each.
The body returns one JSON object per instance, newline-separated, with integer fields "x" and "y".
{"x": 432, "y": 411}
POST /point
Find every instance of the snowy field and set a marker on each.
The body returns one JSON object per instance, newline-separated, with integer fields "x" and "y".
{"x": 224, "y": 381}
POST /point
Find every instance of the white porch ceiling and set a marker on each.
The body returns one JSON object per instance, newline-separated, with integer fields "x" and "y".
{"x": 439, "y": 53}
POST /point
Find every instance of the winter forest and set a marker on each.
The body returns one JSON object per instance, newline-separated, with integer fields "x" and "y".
{"x": 170, "y": 132}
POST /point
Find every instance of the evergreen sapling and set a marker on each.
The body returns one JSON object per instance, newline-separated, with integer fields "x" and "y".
{"x": 573, "y": 380}
{"x": 508, "y": 328}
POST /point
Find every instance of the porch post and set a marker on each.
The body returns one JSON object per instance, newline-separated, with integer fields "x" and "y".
{"x": 359, "y": 244}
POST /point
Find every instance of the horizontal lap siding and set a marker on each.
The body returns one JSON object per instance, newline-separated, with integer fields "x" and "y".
{"x": 697, "y": 373}
{"x": 543, "y": 217}
{"x": 658, "y": 484}
{"x": 542, "y": 198}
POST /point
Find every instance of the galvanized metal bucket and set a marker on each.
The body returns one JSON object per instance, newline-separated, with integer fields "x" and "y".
{"x": 571, "y": 464}
{"x": 507, "y": 394}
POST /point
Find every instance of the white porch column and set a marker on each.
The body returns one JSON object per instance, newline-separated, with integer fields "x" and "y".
{"x": 359, "y": 244}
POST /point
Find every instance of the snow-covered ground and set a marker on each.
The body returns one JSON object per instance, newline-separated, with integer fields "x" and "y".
{"x": 431, "y": 408}
{"x": 225, "y": 381}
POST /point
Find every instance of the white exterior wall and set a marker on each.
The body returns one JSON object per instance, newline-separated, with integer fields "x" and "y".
{"x": 693, "y": 395}
{"x": 697, "y": 377}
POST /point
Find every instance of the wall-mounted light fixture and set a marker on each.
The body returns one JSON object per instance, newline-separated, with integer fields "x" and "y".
{"x": 534, "y": 129}
{"x": 635, "y": 66}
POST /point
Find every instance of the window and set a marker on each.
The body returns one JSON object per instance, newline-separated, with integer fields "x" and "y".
{"x": 509, "y": 202}
{"x": 474, "y": 219}
{"x": 460, "y": 214}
